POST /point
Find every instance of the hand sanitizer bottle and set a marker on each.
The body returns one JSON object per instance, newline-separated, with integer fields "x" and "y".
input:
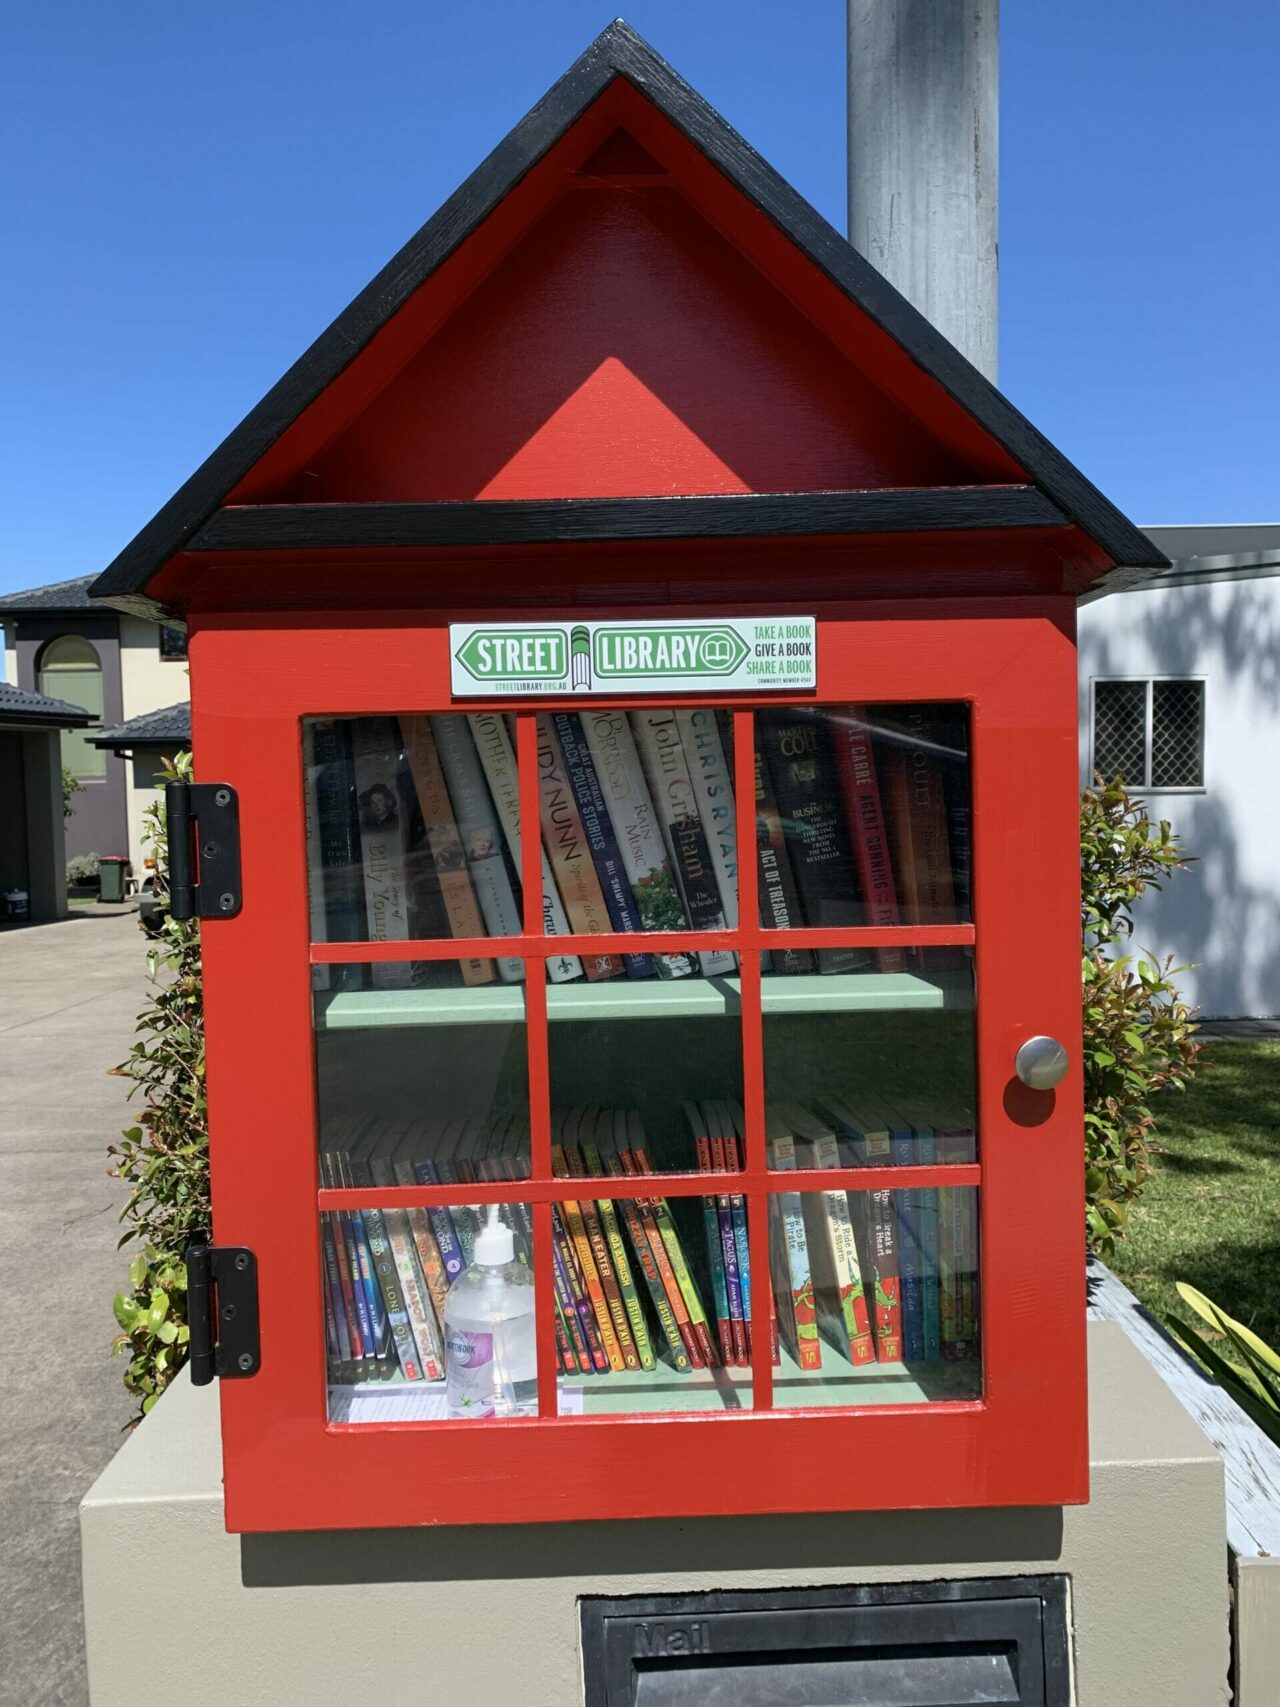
{"x": 491, "y": 1355}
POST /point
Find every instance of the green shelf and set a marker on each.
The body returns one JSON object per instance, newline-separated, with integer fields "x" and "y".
{"x": 626, "y": 998}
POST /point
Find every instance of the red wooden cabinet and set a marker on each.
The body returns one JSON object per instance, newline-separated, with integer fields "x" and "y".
{"x": 626, "y": 376}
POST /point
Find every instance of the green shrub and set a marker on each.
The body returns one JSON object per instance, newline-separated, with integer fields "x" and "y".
{"x": 71, "y": 785}
{"x": 82, "y": 869}
{"x": 165, "y": 1156}
{"x": 1138, "y": 1032}
{"x": 1253, "y": 1382}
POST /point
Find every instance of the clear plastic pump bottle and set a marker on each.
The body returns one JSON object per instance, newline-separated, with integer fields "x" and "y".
{"x": 491, "y": 1355}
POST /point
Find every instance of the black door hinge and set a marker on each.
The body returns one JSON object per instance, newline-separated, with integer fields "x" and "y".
{"x": 204, "y": 850}
{"x": 222, "y": 1312}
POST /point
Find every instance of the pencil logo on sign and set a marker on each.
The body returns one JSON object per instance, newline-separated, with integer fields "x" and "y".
{"x": 580, "y": 657}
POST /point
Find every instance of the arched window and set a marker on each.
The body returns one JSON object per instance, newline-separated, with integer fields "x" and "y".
{"x": 70, "y": 669}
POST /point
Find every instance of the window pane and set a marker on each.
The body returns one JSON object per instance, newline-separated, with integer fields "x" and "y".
{"x": 414, "y": 1330}
{"x": 1177, "y": 734}
{"x": 413, "y": 830}
{"x": 442, "y": 1058}
{"x": 876, "y": 1296}
{"x": 70, "y": 670}
{"x": 1120, "y": 731}
{"x": 862, "y": 1061}
{"x": 653, "y": 1295}
{"x": 863, "y": 818}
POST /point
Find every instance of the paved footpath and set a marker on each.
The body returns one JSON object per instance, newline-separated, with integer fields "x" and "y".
{"x": 69, "y": 998}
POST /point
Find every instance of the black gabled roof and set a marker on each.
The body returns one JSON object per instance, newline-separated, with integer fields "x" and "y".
{"x": 617, "y": 52}
{"x": 168, "y": 727}
{"x": 57, "y": 596}
{"x": 19, "y": 706}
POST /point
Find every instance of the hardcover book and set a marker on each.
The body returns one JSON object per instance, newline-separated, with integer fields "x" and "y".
{"x": 789, "y": 1253}
{"x": 918, "y": 819}
{"x": 478, "y": 831}
{"x": 671, "y": 787}
{"x": 728, "y": 1127}
{"x": 839, "y": 1292}
{"x": 868, "y": 831}
{"x": 864, "y": 1141}
{"x": 462, "y": 910}
{"x": 566, "y": 844}
{"x": 332, "y": 790}
{"x": 713, "y": 791}
{"x": 378, "y": 770}
{"x": 779, "y": 900}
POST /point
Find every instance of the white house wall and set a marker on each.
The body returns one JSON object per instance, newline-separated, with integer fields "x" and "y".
{"x": 147, "y": 683}
{"x": 1223, "y": 915}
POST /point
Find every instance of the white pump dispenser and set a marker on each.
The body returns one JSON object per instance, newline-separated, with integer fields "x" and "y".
{"x": 491, "y": 1355}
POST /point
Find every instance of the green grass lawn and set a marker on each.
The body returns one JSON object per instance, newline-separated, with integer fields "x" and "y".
{"x": 1211, "y": 1214}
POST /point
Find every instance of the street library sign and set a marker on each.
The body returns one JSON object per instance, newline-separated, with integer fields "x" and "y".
{"x": 713, "y": 655}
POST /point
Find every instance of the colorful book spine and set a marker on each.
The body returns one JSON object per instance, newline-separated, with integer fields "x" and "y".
{"x": 779, "y": 900}
{"x": 918, "y": 821}
{"x": 479, "y": 834}
{"x": 724, "y": 1159}
{"x": 713, "y": 791}
{"x": 331, "y": 786}
{"x": 611, "y": 871}
{"x": 452, "y": 1255}
{"x": 789, "y": 1256}
{"x": 601, "y": 1248}
{"x": 359, "y": 1333}
{"x": 658, "y": 1244}
{"x": 376, "y": 763}
{"x": 882, "y": 1226}
{"x": 566, "y": 843}
{"x": 734, "y": 1133}
{"x": 671, "y": 1239}
{"x": 633, "y": 1212}
{"x": 342, "y": 1357}
{"x": 802, "y": 773}
{"x": 575, "y": 1224}
{"x": 462, "y": 910}
{"x": 386, "y": 1274}
{"x": 428, "y": 1248}
{"x": 953, "y": 737}
{"x": 868, "y": 831}
{"x": 493, "y": 743}
{"x": 607, "y": 1210}
{"x": 409, "y": 1273}
{"x": 719, "y": 1234}
{"x": 637, "y": 832}
{"x": 375, "y": 1329}
{"x": 839, "y": 1273}
{"x": 957, "y": 1251}
{"x": 666, "y": 768}
{"x": 927, "y": 1233}
{"x": 910, "y": 1269}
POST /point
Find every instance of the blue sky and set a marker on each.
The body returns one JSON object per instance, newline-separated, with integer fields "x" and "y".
{"x": 192, "y": 193}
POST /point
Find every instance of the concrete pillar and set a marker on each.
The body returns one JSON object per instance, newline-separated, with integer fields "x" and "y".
{"x": 923, "y": 158}
{"x": 46, "y": 837}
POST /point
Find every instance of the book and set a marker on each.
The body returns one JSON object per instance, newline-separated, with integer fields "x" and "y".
{"x": 576, "y": 1226}
{"x": 868, "y": 831}
{"x": 902, "y": 1153}
{"x": 385, "y": 1270}
{"x": 713, "y": 791}
{"x": 359, "y": 1335}
{"x": 727, "y": 1122}
{"x": 838, "y": 1289}
{"x": 478, "y": 831}
{"x": 426, "y": 1172}
{"x": 659, "y": 1242}
{"x": 593, "y": 1166}
{"x": 377, "y": 1151}
{"x": 779, "y": 899}
{"x": 377, "y": 768}
{"x": 917, "y": 818}
{"x": 864, "y": 1142}
{"x": 666, "y": 768}
{"x": 611, "y": 872}
{"x": 317, "y": 921}
{"x": 920, "y": 1118}
{"x": 379, "y": 1359}
{"x": 953, "y": 740}
{"x": 635, "y": 1159}
{"x": 566, "y": 1161}
{"x": 633, "y": 1212}
{"x": 955, "y": 1145}
{"x": 331, "y": 792}
{"x": 497, "y": 755}
{"x": 789, "y": 1253}
{"x": 802, "y": 772}
{"x": 428, "y": 1248}
{"x": 637, "y": 832}
{"x": 566, "y": 843}
{"x": 461, "y": 908}
{"x": 718, "y": 1228}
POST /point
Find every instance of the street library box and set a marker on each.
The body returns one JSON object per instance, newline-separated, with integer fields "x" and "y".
{"x": 634, "y": 715}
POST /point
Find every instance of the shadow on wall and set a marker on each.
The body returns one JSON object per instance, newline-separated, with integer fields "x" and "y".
{"x": 1219, "y": 915}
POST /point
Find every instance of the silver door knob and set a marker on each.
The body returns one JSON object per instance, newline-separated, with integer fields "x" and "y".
{"x": 1041, "y": 1063}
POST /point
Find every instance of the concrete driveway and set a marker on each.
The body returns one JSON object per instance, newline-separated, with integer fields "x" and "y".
{"x": 69, "y": 997}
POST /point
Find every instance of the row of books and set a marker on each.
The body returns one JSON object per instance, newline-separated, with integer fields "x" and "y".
{"x": 413, "y": 827}
{"x": 866, "y": 1277}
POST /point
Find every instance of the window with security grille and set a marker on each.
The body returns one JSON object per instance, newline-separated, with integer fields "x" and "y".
{"x": 1150, "y": 733}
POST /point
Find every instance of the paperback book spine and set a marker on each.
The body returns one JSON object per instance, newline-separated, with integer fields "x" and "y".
{"x": 719, "y": 1232}
{"x": 675, "y": 1251}
{"x": 954, "y": 738}
{"x": 450, "y": 1246}
{"x": 344, "y": 1360}
{"x": 359, "y": 1331}
{"x": 713, "y": 792}
{"x": 580, "y": 1239}
{"x": 580, "y": 769}
{"x": 882, "y": 1220}
{"x": 846, "y": 1271}
{"x": 493, "y": 743}
{"x": 927, "y": 1224}
{"x": 570, "y": 1286}
{"x": 800, "y": 769}
{"x": 379, "y": 1351}
{"x": 621, "y": 1266}
{"x": 957, "y": 1252}
{"x": 462, "y": 910}
{"x": 794, "y": 1275}
{"x": 671, "y": 787}
{"x": 332, "y": 787}
{"x": 566, "y": 843}
{"x": 424, "y": 1239}
{"x": 864, "y": 812}
{"x": 375, "y": 746}
{"x": 732, "y": 1158}
{"x": 637, "y": 832}
{"x": 633, "y": 1218}
{"x": 779, "y": 902}
{"x": 478, "y": 831}
{"x": 907, "y": 1204}
{"x": 601, "y": 1250}
{"x": 918, "y": 823}
{"x": 412, "y": 1280}
{"x": 658, "y": 1246}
